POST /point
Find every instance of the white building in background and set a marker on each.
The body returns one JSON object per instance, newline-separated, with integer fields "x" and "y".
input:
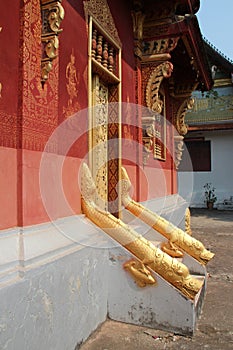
{"x": 209, "y": 141}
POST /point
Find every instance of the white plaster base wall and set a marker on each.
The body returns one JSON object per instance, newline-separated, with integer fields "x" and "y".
{"x": 56, "y": 306}
{"x": 160, "y": 306}
{"x": 221, "y": 171}
{"x": 57, "y": 281}
{"x": 59, "y": 296}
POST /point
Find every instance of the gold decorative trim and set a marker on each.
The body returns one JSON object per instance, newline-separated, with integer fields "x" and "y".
{"x": 52, "y": 14}
{"x": 179, "y": 142}
{"x": 222, "y": 82}
{"x": 99, "y": 140}
{"x": 101, "y": 13}
{"x": 181, "y": 127}
{"x": 164, "y": 70}
{"x": 148, "y": 134}
{"x": 104, "y": 60}
{"x": 138, "y": 20}
{"x": 0, "y": 82}
{"x": 176, "y": 236}
{"x": 150, "y": 256}
{"x": 157, "y": 50}
{"x": 188, "y": 222}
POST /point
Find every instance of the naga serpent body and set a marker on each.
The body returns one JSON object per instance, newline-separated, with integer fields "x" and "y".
{"x": 175, "y": 235}
{"x": 167, "y": 267}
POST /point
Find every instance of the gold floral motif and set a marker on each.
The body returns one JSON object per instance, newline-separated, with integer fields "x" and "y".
{"x": 169, "y": 268}
{"x": 175, "y": 235}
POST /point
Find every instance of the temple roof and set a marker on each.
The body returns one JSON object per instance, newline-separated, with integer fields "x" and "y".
{"x": 214, "y": 110}
{"x": 216, "y": 57}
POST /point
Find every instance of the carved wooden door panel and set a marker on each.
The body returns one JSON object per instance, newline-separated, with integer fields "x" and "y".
{"x": 99, "y": 140}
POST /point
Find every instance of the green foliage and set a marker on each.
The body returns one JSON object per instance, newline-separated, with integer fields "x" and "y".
{"x": 212, "y": 93}
{"x": 210, "y": 195}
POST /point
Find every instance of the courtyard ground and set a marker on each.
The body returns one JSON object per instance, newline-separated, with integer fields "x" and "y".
{"x": 214, "y": 329}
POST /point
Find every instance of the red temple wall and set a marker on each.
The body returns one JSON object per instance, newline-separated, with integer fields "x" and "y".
{"x": 51, "y": 188}
{"x": 9, "y": 37}
{"x": 30, "y": 113}
{"x": 8, "y": 185}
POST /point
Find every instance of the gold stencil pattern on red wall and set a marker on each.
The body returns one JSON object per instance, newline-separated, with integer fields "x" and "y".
{"x": 39, "y": 105}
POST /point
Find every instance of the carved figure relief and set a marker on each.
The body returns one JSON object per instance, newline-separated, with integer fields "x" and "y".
{"x": 128, "y": 135}
{"x": 72, "y": 84}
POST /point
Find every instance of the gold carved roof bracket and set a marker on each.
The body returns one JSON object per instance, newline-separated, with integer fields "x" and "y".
{"x": 138, "y": 20}
{"x": 153, "y": 101}
{"x": 186, "y": 106}
{"x": 181, "y": 127}
{"x": 52, "y": 14}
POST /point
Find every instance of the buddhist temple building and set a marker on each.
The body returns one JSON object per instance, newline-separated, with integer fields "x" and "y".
{"x": 209, "y": 139}
{"x": 93, "y": 99}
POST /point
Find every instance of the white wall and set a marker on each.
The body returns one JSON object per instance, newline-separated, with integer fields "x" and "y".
{"x": 221, "y": 174}
{"x": 56, "y": 278}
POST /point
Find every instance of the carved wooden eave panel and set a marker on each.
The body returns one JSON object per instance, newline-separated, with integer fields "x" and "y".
{"x": 153, "y": 101}
{"x": 158, "y": 50}
{"x": 101, "y": 13}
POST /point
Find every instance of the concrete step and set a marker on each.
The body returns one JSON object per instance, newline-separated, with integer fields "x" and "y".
{"x": 160, "y": 306}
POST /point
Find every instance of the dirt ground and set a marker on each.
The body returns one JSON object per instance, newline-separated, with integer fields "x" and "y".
{"x": 215, "y": 326}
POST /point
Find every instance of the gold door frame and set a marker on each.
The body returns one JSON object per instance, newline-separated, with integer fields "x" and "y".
{"x": 106, "y": 77}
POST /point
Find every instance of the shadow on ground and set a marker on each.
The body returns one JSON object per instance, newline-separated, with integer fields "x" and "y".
{"x": 220, "y": 215}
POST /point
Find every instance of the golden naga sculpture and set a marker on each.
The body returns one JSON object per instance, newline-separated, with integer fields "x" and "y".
{"x": 151, "y": 257}
{"x": 140, "y": 273}
{"x": 188, "y": 222}
{"x": 177, "y": 237}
